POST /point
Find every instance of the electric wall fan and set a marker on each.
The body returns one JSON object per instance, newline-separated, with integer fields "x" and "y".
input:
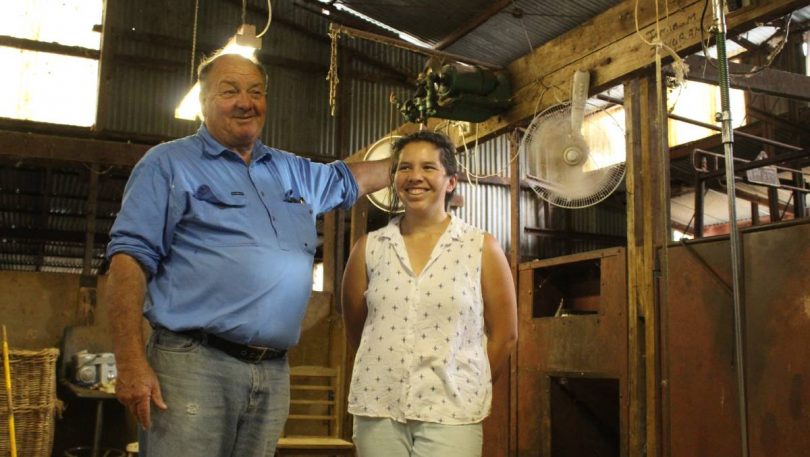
{"x": 383, "y": 198}
{"x": 574, "y": 160}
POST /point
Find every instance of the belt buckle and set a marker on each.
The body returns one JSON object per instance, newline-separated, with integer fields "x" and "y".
{"x": 257, "y": 353}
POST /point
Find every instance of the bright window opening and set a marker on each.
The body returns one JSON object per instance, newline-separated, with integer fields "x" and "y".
{"x": 44, "y": 86}
{"x": 678, "y": 235}
{"x": 317, "y": 277}
{"x": 700, "y": 102}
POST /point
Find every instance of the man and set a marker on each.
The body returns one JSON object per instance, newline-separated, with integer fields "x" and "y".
{"x": 214, "y": 245}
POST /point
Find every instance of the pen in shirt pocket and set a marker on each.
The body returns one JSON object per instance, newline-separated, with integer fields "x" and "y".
{"x": 291, "y": 197}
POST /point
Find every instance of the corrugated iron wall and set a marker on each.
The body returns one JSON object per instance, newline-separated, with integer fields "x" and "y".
{"x": 487, "y": 206}
{"x": 146, "y": 77}
{"x": 371, "y": 114}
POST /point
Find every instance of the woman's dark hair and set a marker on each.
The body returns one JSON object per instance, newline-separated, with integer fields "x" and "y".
{"x": 447, "y": 156}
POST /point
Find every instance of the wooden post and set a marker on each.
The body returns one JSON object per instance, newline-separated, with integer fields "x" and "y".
{"x": 87, "y": 282}
{"x": 340, "y": 355}
{"x": 515, "y": 229}
{"x": 90, "y": 217}
{"x": 105, "y": 66}
{"x": 44, "y": 210}
{"x": 646, "y": 229}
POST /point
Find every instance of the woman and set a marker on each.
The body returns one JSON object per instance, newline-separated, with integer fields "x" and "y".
{"x": 429, "y": 303}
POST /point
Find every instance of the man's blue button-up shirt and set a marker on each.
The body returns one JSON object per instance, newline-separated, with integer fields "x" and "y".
{"x": 229, "y": 246}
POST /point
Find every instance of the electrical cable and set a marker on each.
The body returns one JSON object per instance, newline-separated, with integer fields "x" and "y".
{"x": 269, "y": 19}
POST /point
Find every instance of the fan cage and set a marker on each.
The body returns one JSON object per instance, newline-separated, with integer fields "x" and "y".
{"x": 613, "y": 174}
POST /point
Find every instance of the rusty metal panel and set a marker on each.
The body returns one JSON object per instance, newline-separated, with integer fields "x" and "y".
{"x": 701, "y": 405}
{"x": 590, "y": 345}
{"x": 698, "y": 358}
{"x": 778, "y": 333}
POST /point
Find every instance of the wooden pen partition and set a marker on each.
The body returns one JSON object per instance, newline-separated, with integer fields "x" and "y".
{"x": 572, "y": 356}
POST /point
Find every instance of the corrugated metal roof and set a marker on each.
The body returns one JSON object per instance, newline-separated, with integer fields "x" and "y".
{"x": 427, "y": 20}
{"x": 506, "y": 35}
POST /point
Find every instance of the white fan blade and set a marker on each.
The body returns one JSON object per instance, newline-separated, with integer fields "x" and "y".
{"x": 579, "y": 93}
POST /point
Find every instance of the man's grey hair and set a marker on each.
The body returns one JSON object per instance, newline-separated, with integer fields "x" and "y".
{"x": 204, "y": 69}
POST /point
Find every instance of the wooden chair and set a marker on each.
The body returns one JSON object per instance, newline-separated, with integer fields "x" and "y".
{"x": 314, "y": 426}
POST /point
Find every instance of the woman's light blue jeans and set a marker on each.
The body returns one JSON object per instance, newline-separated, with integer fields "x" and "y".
{"x": 382, "y": 437}
{"x": 218, "y": 406}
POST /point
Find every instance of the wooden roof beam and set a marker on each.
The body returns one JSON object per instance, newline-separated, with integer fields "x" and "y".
{"x": 766, "y": 81}
{"x": 66, "y": 149}
{"x": 469, "y": 26}
{"x": 44, "y": 46}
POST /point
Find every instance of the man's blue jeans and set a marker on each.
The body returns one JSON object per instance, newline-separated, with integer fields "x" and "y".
{"x": 219, "y": 406}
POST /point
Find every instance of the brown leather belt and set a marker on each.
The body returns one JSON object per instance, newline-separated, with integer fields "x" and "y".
{"x": 244, "y": 352}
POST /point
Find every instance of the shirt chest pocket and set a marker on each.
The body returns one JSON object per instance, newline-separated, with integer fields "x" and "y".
{"x": 297, "y": 229}
{"x": 220, "y": 216}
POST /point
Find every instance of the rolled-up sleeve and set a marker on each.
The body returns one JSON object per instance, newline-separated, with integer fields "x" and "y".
{"x": 140, "y": 229}
{"x": 329, "y": 185}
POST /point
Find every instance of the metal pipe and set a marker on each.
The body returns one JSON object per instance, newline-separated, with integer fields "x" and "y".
{"x": 799, "y": 206}
{"x": 754, "y": 163}
{"x": 700, "y": 192}
{"x": 727, "y": 134}
{"x": 757, "y": 162}
{"x": 737, "y": 132}
{"x": 677, "y": 117}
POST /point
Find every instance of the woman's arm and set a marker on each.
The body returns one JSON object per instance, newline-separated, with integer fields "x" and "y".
{"x": 500, "y": 305}
{"x": 355, "y": 283}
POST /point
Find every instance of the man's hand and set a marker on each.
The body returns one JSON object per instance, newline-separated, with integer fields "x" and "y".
{"x": 137, "y": 387}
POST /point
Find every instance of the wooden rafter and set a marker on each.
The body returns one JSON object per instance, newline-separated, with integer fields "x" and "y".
{"x": 470, "y": 25}
{"x": 44, "y": 46}
{"x": 59, "y": 148}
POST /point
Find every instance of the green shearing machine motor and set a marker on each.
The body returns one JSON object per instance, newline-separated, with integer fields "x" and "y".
{"x": 458, "y": 94}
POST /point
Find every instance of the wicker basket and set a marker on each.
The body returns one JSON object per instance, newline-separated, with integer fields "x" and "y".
{"x": 33, "y": 383}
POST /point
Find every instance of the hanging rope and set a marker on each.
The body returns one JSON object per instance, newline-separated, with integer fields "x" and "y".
{"x": 678, "y": 66}
{"x": 332, "y": 76}
{"x": 194, "y": 41}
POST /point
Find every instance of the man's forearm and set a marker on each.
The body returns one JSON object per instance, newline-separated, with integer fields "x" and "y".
{"x": 371, "y": 176}
{"x": 126, "y": 289}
